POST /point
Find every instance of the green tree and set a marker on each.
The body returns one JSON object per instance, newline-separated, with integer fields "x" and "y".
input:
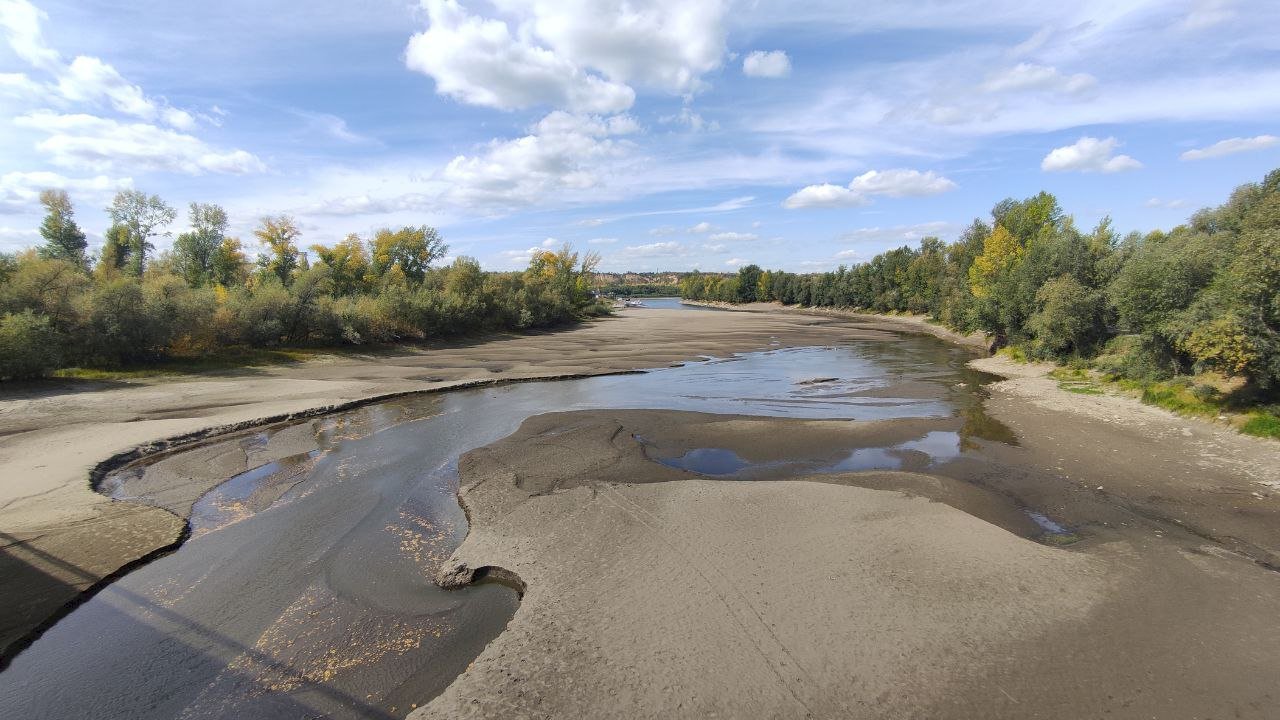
{"x": 194, "y": 251}
{"x": 279, "y": 234}
{"x": 748, "y": 283}
{"x": 348, "y": 262}
{"x": 142, "y": 216}
{"x": 63, "y": 239}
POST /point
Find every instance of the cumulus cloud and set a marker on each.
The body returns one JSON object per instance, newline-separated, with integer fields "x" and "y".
{"x": 1029, "y": 76}
{"x": 736, "y": 262}
{"x": 702, "y": 227}
{"x": 87, "y": 141}
{"x": 734, "y": 236}
{"x": 771, "y": 64}
{"x": 562, "y": 152}
{"x": 1089, "y": 154}
{"x": 896, "y": 183}
{"x": 580, "y": 55}
{"x": 897, "y": 233}
{"x": 1232, "y": 146}
{"x": 602, "y": 241}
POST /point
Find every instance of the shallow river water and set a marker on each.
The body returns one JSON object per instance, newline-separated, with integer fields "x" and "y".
{"x": 306, "y": 587}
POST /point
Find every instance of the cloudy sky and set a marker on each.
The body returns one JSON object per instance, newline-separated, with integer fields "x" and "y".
{"x": 665, "y": 134}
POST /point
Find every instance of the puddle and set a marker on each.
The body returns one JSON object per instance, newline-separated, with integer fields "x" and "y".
{"x": 709, "y": 461}
{"x": 249, "y": 492}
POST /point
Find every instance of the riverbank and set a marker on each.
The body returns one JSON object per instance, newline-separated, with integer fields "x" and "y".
{"x": 61, "y": 539}
{"x": 919, "y": 324}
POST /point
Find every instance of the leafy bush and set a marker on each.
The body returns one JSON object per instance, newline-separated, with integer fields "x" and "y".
{"x": 29, "y": 346}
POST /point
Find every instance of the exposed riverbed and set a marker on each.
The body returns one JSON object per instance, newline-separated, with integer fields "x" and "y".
{"x": 306, "y": 587}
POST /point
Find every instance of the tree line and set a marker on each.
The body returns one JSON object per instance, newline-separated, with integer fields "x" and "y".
{"x": 60, "y": 306}
{"x": 1203, "y": 296}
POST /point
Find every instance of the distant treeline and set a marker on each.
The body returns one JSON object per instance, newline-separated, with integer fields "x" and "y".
{"x": 60, "y": 307}
{"x": 1204, "y": 296}
{"x": 641, "y": 290}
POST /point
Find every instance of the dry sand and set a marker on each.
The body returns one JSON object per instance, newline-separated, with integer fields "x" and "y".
{"x": 652, "y": 593}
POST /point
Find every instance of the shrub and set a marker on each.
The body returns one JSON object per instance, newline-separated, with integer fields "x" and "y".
{"x": 29, "y": 346}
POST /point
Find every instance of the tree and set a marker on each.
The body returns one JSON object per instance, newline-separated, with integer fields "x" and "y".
{"x": 278, "y": 234}
{"x": 1069, "y": 318}
{"x": 412, "y": 248}
{"x": 63, "y": 239}
{"x": 229, "y": 263}
{"x": 141, "y": 215}
{"x": 194, "y": 251}
{"x": 115, "y": 250}
{"x": 748, "y": 283}
{"x": 348, "y": 263}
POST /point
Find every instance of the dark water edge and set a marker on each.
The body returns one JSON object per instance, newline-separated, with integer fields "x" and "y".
{"x": 307, "y": 587}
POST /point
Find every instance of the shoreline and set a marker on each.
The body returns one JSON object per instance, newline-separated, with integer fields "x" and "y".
{"x": 915, "y": 324}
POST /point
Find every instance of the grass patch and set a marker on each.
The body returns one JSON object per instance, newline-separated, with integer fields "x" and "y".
{"x": 227, "y": 359}
{"x": 1179, "y": 398}
{"x": 1014, "y": 353}
{"x": 1076, "y": 380}
{"x": 1262, "y": 423}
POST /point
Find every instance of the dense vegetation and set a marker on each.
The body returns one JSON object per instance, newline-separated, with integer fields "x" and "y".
{"x": 59, "y": 307}
{"x": 1202, "y": 297}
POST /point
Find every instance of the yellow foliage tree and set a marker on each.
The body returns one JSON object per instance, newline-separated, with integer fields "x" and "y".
{"x": 1001, "y": 253}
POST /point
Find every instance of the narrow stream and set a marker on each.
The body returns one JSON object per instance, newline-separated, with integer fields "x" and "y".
{"x": 306, "y": 587}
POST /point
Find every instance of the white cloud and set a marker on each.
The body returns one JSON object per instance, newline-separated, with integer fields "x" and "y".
{"x": 1089, "y": 154}
{"x": 825, "y": 195}
{"x": 563, "y": 152}
{"x": 901, "y": 183}
{"x": 663, "y": 44}
{"x": 1232, "y": 146}
{"x": 734, "y": 236}
{"x": 650, "y": 250}
{"x": 1029, "y": 76}
{"x": 702, "y": 227}
{"x": 591, "y": 222}
{"x": 664, "y": 230}
{"x": 736, "y": 262}
{"x": 896, "y": 183}
{"x": 898, "y": 233}
{"x": 602, "y": 241}
{"x": 20, "y": 191}
{"x": 478, "y": 61}
{"x": 848, "y": 255}
{"x": 578, "y": 55}
{"x": 86, "y": 141}
{"x": 772, "y": 64}
{"x": 1156, "y": 202}
{"x": 687, "y": 117}
{"x": 21, "y": 23}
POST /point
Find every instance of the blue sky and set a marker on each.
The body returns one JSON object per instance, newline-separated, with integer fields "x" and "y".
{"x": 663, "y": 134}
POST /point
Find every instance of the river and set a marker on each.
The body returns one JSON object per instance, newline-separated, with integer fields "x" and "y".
{"x": 306, "y": 587}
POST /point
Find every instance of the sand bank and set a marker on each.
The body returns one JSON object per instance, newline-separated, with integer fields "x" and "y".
{"x": 652, "y": 592}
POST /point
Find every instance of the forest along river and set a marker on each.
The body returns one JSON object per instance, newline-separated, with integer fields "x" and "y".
{"x": 306, "y": 588}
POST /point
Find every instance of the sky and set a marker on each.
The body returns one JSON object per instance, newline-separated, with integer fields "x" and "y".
{"x": 663, "y": 134}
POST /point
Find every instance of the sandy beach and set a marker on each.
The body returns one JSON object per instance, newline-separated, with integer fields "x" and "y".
{"x": 650, "y": 591}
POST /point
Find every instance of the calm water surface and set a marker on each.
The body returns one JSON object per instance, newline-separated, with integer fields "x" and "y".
{"x": 306, "y": 589}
